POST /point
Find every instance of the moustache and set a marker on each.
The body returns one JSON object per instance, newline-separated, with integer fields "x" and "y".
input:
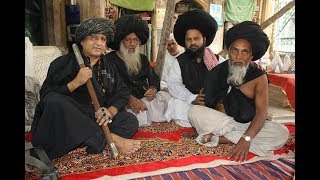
{"x": 238, "y": 62}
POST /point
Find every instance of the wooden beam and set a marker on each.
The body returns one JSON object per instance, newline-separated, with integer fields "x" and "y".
{"x": 154, "y": 33}
{"x": 164, "y": 36}
{"x": 276, "y": 16}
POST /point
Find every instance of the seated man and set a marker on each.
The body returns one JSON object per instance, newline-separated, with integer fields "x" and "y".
{"x": 276, "y": 64}
{"x": 65, "y": 117}
{"x": 240, "y": 90}
{"x": 146, "y": 101}
{"x": 286, "y": 64}
{"x": 173, "y": 50}
{"x": 188, "y": 73}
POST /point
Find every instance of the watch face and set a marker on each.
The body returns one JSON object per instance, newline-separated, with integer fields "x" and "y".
{"x": 247, "y": 138}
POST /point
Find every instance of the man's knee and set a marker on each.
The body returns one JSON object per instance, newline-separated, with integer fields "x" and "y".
{"x": 54, "y": 98}
{"x": 167, "y": 96}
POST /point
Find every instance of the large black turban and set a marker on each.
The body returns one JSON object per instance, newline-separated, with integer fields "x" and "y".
{"x": 128, "y": 24}
{"x": 253, "y": 33}
{"x": 195, "y": 19}
{"x": 95, "y": 26}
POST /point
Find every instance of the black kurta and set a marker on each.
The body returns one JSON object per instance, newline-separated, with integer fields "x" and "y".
{"x": 193, "y": 73}
{"x": 236, "y": 104}
{"x": 64, "y": 121}
{"x": 139, "y": 83}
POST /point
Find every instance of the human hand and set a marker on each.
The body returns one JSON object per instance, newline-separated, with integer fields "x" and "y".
{"x": 200, "y": 98}
{"x": 150, "y": 94}
{"x": 241, "y": 151}
{"x": 136, "y": 105}
{"x": 103, "y": 116}
{"x": 83, "y": 75}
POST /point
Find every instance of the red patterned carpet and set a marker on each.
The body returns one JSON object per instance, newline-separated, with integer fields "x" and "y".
{"x": 163, "y": 151}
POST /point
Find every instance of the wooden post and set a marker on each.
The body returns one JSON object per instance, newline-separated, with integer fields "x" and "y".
{"x": 154, "y": 37}
{"x": 164, "y": 36}
{"x": 91, "y": 8}
{"x": 276, "y": 16}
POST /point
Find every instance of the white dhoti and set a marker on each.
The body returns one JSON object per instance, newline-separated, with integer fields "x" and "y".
{"x": 205, "y": 120}
{"x": 155, "y": 109}
{"x": 178, "y": 111}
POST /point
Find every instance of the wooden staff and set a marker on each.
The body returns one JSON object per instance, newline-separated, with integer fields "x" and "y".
{"x": 95, "y": 101}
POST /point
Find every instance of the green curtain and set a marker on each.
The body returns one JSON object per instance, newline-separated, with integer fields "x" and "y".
{"x": 238, "y": 11}
{"x": 137, "y": 5}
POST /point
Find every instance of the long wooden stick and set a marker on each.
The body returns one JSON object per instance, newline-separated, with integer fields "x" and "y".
{"x": 95, "y": 101}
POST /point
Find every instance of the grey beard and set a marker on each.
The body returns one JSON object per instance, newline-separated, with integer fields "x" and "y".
{"x": 236, "y": 74}
{"x": 131, "y": 60}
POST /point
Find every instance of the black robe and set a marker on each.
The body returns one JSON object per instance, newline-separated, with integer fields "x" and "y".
{"x": 193, "y": 73}
{"x": 139, "y": 83}
{"x": 236, "y": 104}
{"x": 64, "y": 121}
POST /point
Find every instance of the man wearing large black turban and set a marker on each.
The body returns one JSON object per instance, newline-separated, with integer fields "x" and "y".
{"x": 194, "y": 30}
{"x": 146, "y": 101}
{"x": 237, "y": 99}
{"x": 65, "y": 117}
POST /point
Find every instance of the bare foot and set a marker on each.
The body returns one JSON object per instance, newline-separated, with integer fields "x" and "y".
{"x": 206, "y": 138}
{"x": 125, "y": 146}
{"x": 192, "y": 134}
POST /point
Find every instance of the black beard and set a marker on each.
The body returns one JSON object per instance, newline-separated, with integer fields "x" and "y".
{"x": 197, "y": 53}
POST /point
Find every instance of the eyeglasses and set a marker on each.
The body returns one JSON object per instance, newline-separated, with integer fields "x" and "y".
{"x": 129, "y": 40}
{"x": 95, "y": 37}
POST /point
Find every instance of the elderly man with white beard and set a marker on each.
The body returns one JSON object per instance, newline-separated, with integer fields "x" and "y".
{"x": 236, "y": 99}
{"x": 146, "y": 101}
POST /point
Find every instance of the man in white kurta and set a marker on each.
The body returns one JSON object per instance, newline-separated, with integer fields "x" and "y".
{"x": 173, "y": 50}
{"x": 188, "y": 72}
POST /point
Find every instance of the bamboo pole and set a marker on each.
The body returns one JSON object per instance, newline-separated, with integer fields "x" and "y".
{"x": 276, "y": 16}
{"x": 164, "y": 36}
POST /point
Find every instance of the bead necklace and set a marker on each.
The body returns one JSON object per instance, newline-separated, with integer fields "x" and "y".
{"x": 99, "y": 76}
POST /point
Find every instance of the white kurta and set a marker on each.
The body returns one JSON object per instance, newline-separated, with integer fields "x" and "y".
{"x": 155, "y": 109}
{"x": 180, "y": 102}
{"x": 168, "y": 61}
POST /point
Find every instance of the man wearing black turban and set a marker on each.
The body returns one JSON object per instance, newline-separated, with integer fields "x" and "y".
{"x": 194, "y": 30}
{"x": 146, "y": 101}
{"x": 65, "y": 117}
{"x": 240, "y": 91}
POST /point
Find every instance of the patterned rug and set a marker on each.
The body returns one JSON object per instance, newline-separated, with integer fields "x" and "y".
{"x": 163, "y": 151}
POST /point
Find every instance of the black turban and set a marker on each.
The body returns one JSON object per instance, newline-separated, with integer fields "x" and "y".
{"x": 128, "y": 24}
{"x": 95, "y": 26}
{"x": 253, "y": 33}
{"x": 195, "y": 19}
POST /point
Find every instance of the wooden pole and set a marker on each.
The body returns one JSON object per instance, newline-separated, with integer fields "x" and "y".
{"x": 276, "y": 16}
{"x": 95, "y": 101}
{"x": 154, "y": 35}
{"x": 164, "y": 36}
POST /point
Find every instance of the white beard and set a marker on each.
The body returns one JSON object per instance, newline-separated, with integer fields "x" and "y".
{"x": 131, "y": 60}
{"x": 236, "y": 74}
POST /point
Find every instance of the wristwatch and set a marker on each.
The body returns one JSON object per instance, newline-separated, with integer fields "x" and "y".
{"x": 247, "y": 138}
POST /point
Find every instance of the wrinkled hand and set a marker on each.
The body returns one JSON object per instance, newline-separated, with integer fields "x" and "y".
{"x": 136, "y": 105}
{"x": 241, "y": 150}
{"x": 83, "y": 75}
{"x": 103, "y": 116}
{"x": 150, "y": 94}
{"x": 200, "y": 98}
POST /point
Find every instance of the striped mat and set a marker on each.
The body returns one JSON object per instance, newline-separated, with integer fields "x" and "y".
{"x": 263, "y": 169}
